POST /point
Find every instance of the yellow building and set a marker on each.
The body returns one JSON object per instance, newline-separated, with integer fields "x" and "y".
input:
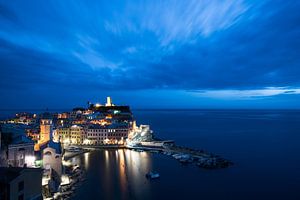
{"x": 63, "y": 134}
{"x": 71, "y": 135}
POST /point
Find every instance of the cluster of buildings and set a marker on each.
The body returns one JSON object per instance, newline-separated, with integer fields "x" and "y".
{"x": 96, "y": 125}
{"x": 18, "y": 178}
{"x": 33, "y": 145}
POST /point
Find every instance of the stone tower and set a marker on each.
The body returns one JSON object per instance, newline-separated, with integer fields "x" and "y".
{"x": 108, "y": 101}
{"x": 46, "y": 128}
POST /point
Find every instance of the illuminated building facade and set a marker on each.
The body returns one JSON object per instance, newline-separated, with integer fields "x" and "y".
{"x": 63, "y": 134}
{"x": 52, "y": 157}
{"x": 112, "y": 134}
{"x": 64, "y": 115}
{"x": 77, "y": 134}
{"x": 71, "y": 135}
{"x": 21, "y": 152}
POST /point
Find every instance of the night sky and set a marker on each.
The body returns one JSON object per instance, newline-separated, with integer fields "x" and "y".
{"x": 150, "y": 54}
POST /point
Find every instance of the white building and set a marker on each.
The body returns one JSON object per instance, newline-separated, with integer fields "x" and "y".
{"x": 52, "y": 157}
{"x": 21, "y": 152}
{"x": 139, "y": 134}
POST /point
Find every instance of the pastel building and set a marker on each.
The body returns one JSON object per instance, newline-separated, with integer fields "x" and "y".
{"x": 74, "y": 134}
{"x": 112, "y": 134}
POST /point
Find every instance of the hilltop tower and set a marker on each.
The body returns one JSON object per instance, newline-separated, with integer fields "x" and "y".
{"x": 108, "y": 101}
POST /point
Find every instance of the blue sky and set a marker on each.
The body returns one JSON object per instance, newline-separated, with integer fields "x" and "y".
{"x": 150, "y": 54}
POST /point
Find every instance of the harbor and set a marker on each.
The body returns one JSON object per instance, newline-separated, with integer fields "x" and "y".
{"x": 75, "y": 174}
{"x": 189, "y": 156}
{"x": 143, "y": 139}
{"x": 52, "y": 141}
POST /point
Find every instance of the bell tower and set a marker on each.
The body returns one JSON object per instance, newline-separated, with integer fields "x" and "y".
{"x": 46, "y": 128}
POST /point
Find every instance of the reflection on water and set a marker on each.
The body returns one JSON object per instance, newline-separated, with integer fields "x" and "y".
{"x": 86, "y": 160}
{"x": 114, "y": 174}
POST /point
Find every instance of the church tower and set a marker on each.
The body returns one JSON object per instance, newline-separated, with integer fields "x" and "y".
{"x": 46, "y": 128}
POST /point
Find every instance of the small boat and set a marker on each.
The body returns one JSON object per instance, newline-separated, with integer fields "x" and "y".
{"x": 73, "y": 149}
{"x": 152, "y": 175}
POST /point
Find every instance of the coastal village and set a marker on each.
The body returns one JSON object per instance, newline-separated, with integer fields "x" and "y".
{"x": 35, "y": 148}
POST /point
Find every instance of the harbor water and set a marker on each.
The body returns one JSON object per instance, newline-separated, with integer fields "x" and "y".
{"x": 263, "y": 144}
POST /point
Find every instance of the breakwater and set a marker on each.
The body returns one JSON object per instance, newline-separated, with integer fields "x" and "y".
{"x": 187, "y": 155}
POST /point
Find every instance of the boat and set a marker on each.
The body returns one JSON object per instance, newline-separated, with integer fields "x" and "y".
{"x": 157, "y": 144}
{"x": 73, "y": 149}
{"x": 152, "y": 175}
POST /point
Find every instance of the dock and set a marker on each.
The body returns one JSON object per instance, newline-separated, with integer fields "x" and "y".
{"x": 188, "y": 155}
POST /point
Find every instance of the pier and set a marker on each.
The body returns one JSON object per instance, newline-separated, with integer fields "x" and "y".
{"x": 187, "y": 155}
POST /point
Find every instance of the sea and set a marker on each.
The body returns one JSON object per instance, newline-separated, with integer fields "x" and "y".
{"x": 264, "y": 146}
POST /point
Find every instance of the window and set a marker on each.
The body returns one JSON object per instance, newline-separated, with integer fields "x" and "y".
{"x": 21, "y": 186}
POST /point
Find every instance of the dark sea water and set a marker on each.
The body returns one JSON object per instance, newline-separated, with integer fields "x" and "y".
{"x": 264, "y": 145}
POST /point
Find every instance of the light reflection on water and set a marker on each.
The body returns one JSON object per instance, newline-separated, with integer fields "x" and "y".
{"x": 86, "y": 160}
{"x": 116, "y": 173}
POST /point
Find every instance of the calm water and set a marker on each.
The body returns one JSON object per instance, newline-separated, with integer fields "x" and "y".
{"x": 264, "y": 145}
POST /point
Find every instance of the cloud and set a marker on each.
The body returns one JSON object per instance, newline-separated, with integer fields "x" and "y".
{"x": 247, "y": 94}
{"x": 225, "y": 47}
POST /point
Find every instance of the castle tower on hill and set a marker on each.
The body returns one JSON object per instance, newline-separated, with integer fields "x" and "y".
{"x": 108, "y": 101}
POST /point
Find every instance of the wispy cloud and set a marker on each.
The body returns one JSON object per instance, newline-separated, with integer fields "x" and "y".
{"x": 217, "y": 48}
{"x": 247, "y": 94}
{"x": 176, "y": 21}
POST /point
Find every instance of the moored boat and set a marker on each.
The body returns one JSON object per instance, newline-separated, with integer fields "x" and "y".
{"x": 152, "y": 175}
